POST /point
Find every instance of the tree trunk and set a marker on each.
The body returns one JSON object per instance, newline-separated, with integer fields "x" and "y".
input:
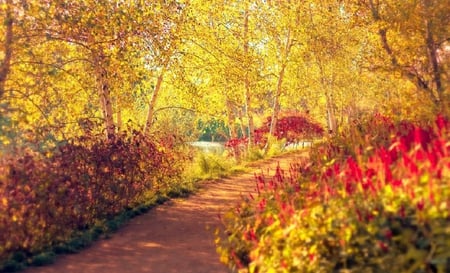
{"x": 232, "y": 128}
{"x": 104, "y": 92}
{"x": 331, "y": 115}
{"x": 6, "y": 63}
{"x": 152, "y": 103}
{"x": 119, "y": 119}
{"x": 241, "y": 119}
{"x": 276, "y": 108}
{"x": 231, "y": 119}
{"x": 276, "y": 104}
{"x": 247, "y": 93}
{"x": 249, "y": 114}
{"x": 431, "y": 47}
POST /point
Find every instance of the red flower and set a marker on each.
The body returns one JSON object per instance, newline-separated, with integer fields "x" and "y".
{"x": 421, "y": 204}
{"x": 250, "y": 235}
{"x": 312, "y": 257}
{"x": 397, "y": 183}
{"x": 441, "y": 122}
{"x": 358, "y": 213}
{"x": 356, "y": 172}
{"x": 262, "y": 204}
{"x": 369, "y": 216}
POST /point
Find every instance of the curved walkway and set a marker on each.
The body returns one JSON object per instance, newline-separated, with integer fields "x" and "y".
{"x": 175, "y": 237}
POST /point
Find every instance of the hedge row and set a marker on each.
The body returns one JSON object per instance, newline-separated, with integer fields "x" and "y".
{"x": 45, "y": 198}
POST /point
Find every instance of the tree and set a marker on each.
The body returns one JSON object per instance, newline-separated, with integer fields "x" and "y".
{"x": 162, "y": 48}
{"x": 413, "y": 35}
{"x": 223, "y": 45}
{"x": 5, "y": 64}
{"x": 79, "y": 50}
{"x": 280, "y": 23}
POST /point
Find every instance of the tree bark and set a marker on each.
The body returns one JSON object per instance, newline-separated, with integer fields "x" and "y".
{"x": 331, "y": 115}
{"x": 247, "y": 93}
{"x": 276, "y": 103}
{"x": 431, "y": 48}
{"x": 231, "y": 119}
{"x": 276, "y": 106}
{"x": 232, "y": 127}
{"x": 104, "y": 92}
{"x": 152, "y": 103}
{"x": 119, "y": 119}
{"x": 241, "y": 119}
{"x": 6, "y": 63}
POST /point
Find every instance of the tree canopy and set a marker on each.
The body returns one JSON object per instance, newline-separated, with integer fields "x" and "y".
{"x": 158, "y": 65}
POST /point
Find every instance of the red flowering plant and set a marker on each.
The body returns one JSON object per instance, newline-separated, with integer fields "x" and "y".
{"x": 383, "y": 210}
{"x": 291, "y": 127}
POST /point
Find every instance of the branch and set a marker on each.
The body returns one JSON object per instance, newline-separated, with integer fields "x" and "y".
{"x": 175, "y": 107}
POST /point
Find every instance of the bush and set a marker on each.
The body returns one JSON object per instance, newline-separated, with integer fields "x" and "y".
{"x": 47, "y": 198}
{"x": 382, "y": 209}
{"x": 290, "y": 129}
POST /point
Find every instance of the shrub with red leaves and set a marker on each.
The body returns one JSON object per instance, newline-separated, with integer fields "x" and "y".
{"x": 45, "y": 198}
{"x": 293, "y": 128}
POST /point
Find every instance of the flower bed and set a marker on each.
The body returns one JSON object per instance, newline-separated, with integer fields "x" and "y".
{"x": 378, "y": 204}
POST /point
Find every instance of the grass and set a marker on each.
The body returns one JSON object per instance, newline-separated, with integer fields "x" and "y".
{"x": 207, "y": 166}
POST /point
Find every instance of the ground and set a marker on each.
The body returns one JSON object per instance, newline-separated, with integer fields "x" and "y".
{"x": 175, "y": 237}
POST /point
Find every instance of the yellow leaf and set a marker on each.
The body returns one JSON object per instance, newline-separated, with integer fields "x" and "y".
{"x": 4, "y": 202}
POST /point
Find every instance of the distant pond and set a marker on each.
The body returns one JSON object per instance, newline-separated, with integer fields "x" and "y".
{"x": 219, "y": 147}
{"x": 209, "y": 147}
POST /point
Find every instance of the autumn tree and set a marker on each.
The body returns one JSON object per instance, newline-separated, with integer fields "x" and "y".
{"x": 413, "y": 37}
{"x": 68, "y": 52}
{"x": 280, "y": 22}
{"x": 7, "y": 38}
{"x": 224, "y": 45}
{"x": 162, "y": 49}
{"x": 63, "y": 63}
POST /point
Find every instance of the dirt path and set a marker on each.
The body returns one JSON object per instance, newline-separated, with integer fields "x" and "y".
{"x": 174, "y": 237}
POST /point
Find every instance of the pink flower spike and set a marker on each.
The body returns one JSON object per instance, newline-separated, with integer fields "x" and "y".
{"x": 397, "y": 183}
{"x": 441, "y": 122}
{"x": 312, "y": 257}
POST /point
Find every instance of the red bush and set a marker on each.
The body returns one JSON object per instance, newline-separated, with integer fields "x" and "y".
{"x": 292, "y": 127}
{"x": 43, "y": 199}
